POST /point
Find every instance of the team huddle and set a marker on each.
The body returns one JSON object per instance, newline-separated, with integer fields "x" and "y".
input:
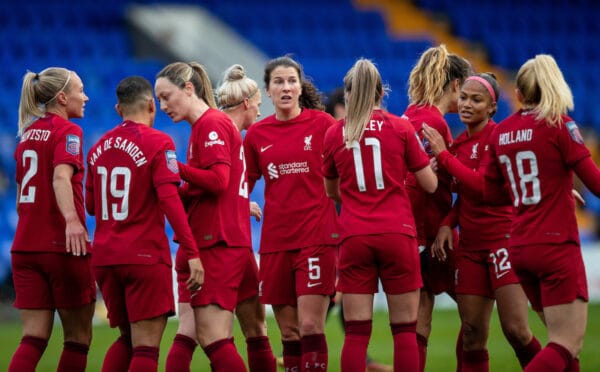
{"x": 509, "y": 237}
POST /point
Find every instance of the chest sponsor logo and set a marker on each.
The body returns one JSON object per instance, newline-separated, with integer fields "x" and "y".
{"x": 272, "y": 169}
{"x": 296, "y": 167}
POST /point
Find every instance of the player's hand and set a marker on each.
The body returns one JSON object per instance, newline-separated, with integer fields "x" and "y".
{"x": 255, "y": 211}
{"x": 443, "y": 238}
{"x": 436, "y": 141}
{"x": 76, "y": 238}
{"x": 196, "y": 279}
{"x": 433, "y": 163}
{"x": 578, "y": 198}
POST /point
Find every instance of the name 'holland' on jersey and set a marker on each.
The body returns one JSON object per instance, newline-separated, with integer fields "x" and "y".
{"x": 122, "y": 144}
{"x": 521, "y": 135}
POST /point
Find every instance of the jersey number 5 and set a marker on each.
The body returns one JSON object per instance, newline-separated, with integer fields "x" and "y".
{"x": 119, "y": 212}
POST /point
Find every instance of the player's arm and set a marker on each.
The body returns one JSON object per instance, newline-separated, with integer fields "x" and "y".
{"x": 18, "y": 195}
{"x": 76, "y": 234}
{"x": 172, "y": 207}
{"x": 427, "y": 179}
{"x": 89, "y": 193}
{"x": 214, "y": 179}
{"x": 332, "y": 189}
{"x": 589, "y": 174}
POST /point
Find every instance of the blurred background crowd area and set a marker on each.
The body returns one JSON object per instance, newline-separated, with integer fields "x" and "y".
{"x": 109, "y": 40}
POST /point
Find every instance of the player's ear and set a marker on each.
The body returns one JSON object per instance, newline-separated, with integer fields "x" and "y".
{"x": 151, "y": 105}
{"x": 118, "y": 110}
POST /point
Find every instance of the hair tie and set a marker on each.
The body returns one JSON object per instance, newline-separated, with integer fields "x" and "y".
{"x": 485, "y": 83}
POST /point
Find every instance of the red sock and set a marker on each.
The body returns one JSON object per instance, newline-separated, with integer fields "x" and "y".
{"x": 459, "y": 351}
{"x": 260, "y": 355}
{"x": 553, "y": 357}
{"x": 526, "y": 353}
{"x": 292, "y": 355}
{"x": 145, "y": 359}
{"x": 356, "y": 342}
{"x": 180, "y": 355}
{"x": 314, "y": 352}
{"x": 73, "y": 357}
{"x": 422, "y": 346}
{"x": 28, "y": 354}
{"x": 224, "y": 356}
{"x": 406, "y": 351}
{"x": 475, "y": 361}
{"x": 574, "y": 366}
{"x": 118, "y": 356}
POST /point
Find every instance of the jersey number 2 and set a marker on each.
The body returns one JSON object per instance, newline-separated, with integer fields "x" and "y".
{"x": 28, "y": 192}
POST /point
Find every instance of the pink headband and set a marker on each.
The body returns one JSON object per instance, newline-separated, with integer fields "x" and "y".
{"x": 485, "y": 83}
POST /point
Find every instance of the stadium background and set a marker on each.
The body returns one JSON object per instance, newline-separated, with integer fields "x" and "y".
{"x": 109, "y": 40}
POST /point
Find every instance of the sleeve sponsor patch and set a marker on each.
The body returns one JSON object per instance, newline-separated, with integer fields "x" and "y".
{"x": 574, "y": 132}
{"x": 213, "y": 139}
{"x": 172, "y": 161}
{"x": 73, "y": 144}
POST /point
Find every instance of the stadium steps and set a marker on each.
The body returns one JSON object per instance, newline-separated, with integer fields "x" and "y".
{"x": 406, "y": 21}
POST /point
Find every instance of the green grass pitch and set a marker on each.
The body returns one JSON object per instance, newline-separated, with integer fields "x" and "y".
{"x": 440, "y": 354}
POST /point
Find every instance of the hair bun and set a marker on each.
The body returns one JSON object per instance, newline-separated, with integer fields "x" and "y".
{"x": 235, "y": 72}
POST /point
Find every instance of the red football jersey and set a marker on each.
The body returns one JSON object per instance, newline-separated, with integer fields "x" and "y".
{"x": 479, "y": 222}
{"x": 429, "y": 209}
{"x": 536, "y": 160}
{"x": 224, "y": 217}
{"x": 297, "y": 212}
{"x": 47, "y": 142}
{"x": 125, "y": 167}
{"x": 372, "y": 175}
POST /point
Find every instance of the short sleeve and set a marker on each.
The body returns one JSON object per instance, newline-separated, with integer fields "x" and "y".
{"x": 164, "y": 164}
{"x": 67, "y": 149}
{"x": 572, "y": 147}
{"x": 415, "y": 156}
{"x": 214, "y": 138}
{"x": 329, "y": 147}
{"x": 252, "y": 167}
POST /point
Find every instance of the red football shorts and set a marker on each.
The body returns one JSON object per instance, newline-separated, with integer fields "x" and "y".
{"x": 481, "y": 272}
{"x": 393, "y": 258}
{"x": 52, "y": 280}
{"x": 551, "y": 274}
{"x": 287, "y": 275}
{"x": 230, "y": 277}
{"x": 136, "y": 292}
{"x": 439, "y": 276}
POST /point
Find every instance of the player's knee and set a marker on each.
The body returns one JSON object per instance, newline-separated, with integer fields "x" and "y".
{"x": 310, "y": 326}
{"x": 474, "y": 337}
{"x": 516, "y": 334}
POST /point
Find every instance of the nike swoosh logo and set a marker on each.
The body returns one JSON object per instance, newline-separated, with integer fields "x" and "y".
{"x": 310, "y": 285}
{"x": 263, "y": 149}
